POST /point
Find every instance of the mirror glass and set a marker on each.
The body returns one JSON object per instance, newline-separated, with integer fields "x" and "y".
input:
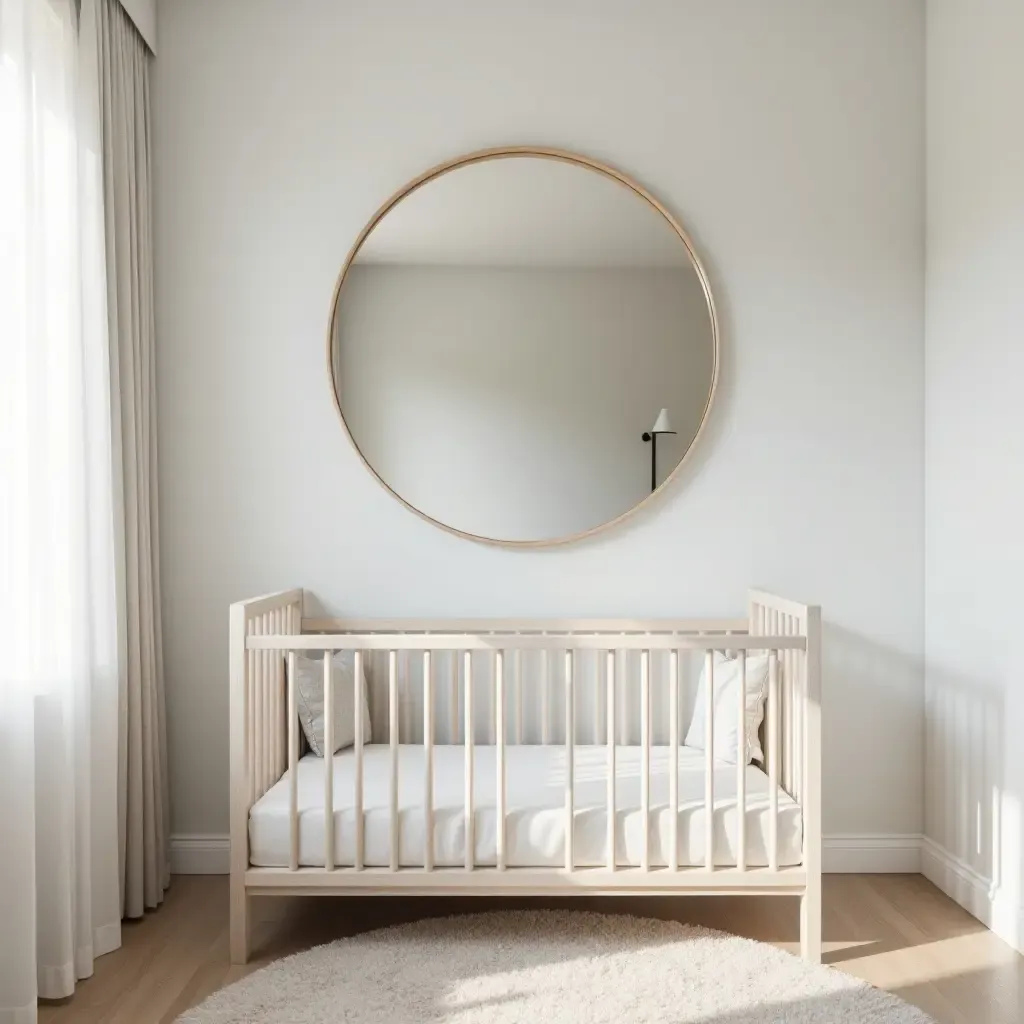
{"x": 522, "y": 347}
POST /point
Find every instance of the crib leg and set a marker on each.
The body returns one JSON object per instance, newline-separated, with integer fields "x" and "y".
{"x": 241, "y": 923}
{"x": 810, "y": 922}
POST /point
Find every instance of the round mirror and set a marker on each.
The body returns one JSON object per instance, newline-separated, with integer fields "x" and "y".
{"x": 523, "y": 346}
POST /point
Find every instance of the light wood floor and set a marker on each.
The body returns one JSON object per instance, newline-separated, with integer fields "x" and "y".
{"x": 896, "y": 931}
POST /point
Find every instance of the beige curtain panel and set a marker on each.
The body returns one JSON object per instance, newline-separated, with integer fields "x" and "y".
{"x": 125, "y": 115}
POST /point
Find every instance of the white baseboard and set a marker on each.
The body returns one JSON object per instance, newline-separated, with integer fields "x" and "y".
{"x": 843, "y": 854}
{"x": 200, "y": 855}
{"x": 871, "y": 854}
{"x": 975, "y": 893}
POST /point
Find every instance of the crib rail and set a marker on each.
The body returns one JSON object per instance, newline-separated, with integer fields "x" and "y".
{"x": 495, "y": 648}
{"x": 266, "y": 736}
{"x": 521, "y": 641}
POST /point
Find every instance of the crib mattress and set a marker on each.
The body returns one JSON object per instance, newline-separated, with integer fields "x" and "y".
{"x": 535, "y": 812}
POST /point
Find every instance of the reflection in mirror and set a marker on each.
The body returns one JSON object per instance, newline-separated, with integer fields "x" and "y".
{"x": 505, "y": 340}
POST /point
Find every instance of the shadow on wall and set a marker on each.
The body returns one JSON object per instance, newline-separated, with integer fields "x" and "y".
{"x": 870, "y": 690}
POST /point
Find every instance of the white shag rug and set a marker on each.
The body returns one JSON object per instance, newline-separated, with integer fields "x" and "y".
{"x": 549, "y": 966}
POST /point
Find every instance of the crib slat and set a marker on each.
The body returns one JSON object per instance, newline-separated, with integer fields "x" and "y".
{"x": 610, "y": 722}
{"x": 276, "y": 618}
{"x": 623, "y": 698}
{"x": 250, "y": 715}
{"x": 357, "y": 718}
{"x": 793, "y": 709}
{"x": 268, "y": 691}
{"x": 793, "y": 702}
{"x": 293, "y": 769}
{"x": 328, "y": 762}
{"x": 709, "y": 763}
{"x": 780, "y": 623}
{"x": 518, "y": 697}
{"x": 545, "y": 698}
{"x": 673, "y": 779}
{"x": 269, "y": 621}
{"x": 261, "y": 723}
{"x": 268, "y": 699}
{"x": 741, "y": 765}
{"x": 800, "y": 696}
{"x": 570, "y": 761}
{"x": 280, "y": 710}
{"x": 467, "y": 675}
{"x": 776, "y": 626}
{"x": 428, "y": 773}
{"x": 598, "y": 692}
{"x": 250, "y": 718}
{"x": 281, "y": 743}
{"x": 492, "y": 739}
{"x": 453, "y": 697}
{"x": 645, "y": 751}
{"x": 393, "y": 744}
{"x": 499, "y": 728}
{"x": 802, "y": 713}
{"x": 773, "y": 760}
{"x": 257, "y": 692}
{"x": 280, "y": 751}
{"x": 405, "y": 682}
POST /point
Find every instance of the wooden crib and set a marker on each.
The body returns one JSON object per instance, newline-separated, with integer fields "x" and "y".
{"x": 475, "y": 697}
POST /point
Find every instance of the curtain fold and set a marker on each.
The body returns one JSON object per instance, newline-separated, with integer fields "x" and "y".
{"x": 123, "y": 66}
{"x": 59, "y": 675}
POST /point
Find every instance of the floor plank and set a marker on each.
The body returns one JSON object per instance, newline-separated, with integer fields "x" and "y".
{"x": 895, "y": 931}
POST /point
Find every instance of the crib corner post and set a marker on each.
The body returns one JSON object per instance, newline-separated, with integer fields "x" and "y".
{"x": 810, "y": 902}
{"x": 240, "y": 790}
{"x": 810, "y": 920}
{"x": 241, "y": 924}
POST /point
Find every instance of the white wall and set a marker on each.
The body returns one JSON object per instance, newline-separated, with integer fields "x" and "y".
{"x": 789, "y": 139}
{"x": 975, "y": 457}
{"x": 510, "y": 402}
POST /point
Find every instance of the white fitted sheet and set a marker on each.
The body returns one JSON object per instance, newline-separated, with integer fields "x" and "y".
{"x": 535, "y": 822}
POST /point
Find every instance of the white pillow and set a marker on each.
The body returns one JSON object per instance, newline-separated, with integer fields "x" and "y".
{"x": 727, "y": 676}
{"x": 309, "y": 700}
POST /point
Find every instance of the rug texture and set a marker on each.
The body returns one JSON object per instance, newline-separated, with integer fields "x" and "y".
{"x": 549, "y": 966}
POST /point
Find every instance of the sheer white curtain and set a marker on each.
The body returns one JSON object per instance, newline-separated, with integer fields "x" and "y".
{"x": 59, "y": 883}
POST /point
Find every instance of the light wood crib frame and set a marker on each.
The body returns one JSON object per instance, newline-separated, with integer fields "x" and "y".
{"x": 265, "y": 738}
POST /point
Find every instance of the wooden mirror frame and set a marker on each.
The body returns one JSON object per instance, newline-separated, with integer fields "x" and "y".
{"x": 498, "y": 153}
